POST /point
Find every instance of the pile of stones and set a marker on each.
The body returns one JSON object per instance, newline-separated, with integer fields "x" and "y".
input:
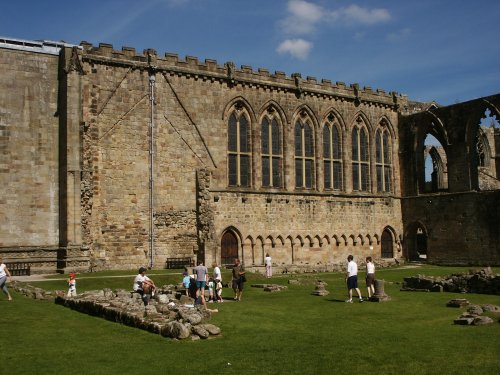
{"x": 270, "y": 287}
{"x": 481, "y": 282}
{"x": 474, "y": 313}
{"x": 169, "y": 313}
{"x": 320, "y": 289}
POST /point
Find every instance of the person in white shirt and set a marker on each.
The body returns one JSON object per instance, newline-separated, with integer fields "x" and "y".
{"x": 370, "y": 276}
{"x": 144, "y": 285}
{"x": 269, "y": 265}
{"x": 217, "y": 276}
{"x": 4, "y": 273}
{"x": 352, "y": 278}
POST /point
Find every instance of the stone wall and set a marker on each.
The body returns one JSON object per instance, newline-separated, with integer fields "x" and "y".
{"x": 192, "y": 103}
{"x": 462, "y": 228}
{"x": 29, "y": 158}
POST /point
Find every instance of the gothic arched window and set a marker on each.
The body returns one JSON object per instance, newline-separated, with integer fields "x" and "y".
{"x": 272, "y": 154}
{"x": 360, "y": 158}
{"x": 332, "y": 156}
{"x": 238, "y": 146}
{"x": 304, "y": 154}
{"x": 383, "y": 160}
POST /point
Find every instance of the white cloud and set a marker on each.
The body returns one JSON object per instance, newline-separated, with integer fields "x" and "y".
{"x": 399, "y": 35}
{"x": 302, "y": 18}
{"x": 298, "y": 48}
{"x": 355, "y": 14}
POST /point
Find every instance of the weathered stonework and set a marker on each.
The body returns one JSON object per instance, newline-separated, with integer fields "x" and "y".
{"x": 77, "y": 126}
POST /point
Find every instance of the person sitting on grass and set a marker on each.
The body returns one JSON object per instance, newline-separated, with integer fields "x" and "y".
{"x": 144, "y": 286}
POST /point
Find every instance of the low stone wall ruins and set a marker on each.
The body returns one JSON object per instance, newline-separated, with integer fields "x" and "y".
{"x": 169, "y": 313}
{"x": 481, "y": 282}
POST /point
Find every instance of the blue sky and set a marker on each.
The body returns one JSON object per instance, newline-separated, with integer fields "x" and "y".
{"x": 442, "y": 50}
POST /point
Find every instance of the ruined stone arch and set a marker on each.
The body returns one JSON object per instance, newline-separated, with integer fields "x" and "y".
{"x": 309, "y": 239}
{"x": 415, "y": 242}
{"x": 271, "y": 240}
{"x": 377, "y": 238}
{"x": 352, "y": 237}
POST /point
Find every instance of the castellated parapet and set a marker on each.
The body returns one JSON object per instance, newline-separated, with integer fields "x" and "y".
{"x": 212, "y": 71}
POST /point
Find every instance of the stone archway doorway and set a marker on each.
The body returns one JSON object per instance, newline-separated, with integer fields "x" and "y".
{"x": 229, "y": 248}
{"x": 416, "y": 239}
{"x": 387, "y": 244}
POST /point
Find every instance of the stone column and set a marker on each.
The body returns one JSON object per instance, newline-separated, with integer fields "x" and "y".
{"x": 379, "y": 295}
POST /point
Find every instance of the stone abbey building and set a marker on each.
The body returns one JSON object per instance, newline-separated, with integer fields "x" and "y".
{"x": 115, "y": 159}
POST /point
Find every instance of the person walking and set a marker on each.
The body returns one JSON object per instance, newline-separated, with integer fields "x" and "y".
{"x": 239, "y": 279}
{"x": 4, "y": 273}
{"x": 370, "y": 276}
{"x": 269, "y": 265}
{"x": 352, "y": 278}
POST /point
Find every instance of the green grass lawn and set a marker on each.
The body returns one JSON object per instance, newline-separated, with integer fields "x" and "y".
{"x": 289, "y": 332}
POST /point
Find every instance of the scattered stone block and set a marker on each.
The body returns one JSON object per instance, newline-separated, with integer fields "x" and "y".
{"x": 475, "y": 309}
{"x": 457, "y": 302}
{"x": 482, "y": 320}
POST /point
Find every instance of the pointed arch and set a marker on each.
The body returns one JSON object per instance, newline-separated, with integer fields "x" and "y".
{"x": 271, "y": 239}
{"x": 332, "y": 138}
{"x": 361, "y": 239}
{"x": 240, "y": 118}
{"x": 369, "y": 239}
{"x": 241, "y": 103}
{"x": 377, "y": 238}
{"x": 344, "y": 238}
{"x": 353, "y": 239}
{"x": 271, "y": 122}
{"x": 276, "y": 110}
{"x": 337, "y": 239}
{"x": 231, "y": 241}
{"x": 383, "y": 157}
{"x": 388, "y": 239}
{"x": 310, "y": 240}
{"x": 304, "y": 125}
{"x": 300, "y": 240}
{"x": 326, "y": 239}
{"x": 281, "y": 240}
{"x": 360, "y": 153}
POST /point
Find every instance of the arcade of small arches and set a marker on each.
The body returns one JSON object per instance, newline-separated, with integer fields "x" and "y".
{"x": 327, "y": 154}
{"x": 299, "y": 249}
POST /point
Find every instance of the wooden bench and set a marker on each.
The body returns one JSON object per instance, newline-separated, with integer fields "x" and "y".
{"x": 19, "y": 268}
{"x": 179, "y": 262}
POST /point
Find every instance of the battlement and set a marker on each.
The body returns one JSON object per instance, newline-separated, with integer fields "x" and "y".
{"x": 245, "y": 74}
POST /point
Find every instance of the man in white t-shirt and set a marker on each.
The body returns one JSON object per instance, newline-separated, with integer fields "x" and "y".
{"x": 352, "y": 278}
{"x": 269, "y": 265}
{"x": 144, "y": 285}
{"x": 217, "y": 275}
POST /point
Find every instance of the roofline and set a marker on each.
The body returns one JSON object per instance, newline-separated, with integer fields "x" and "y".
{"x": 49, "y": 47}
